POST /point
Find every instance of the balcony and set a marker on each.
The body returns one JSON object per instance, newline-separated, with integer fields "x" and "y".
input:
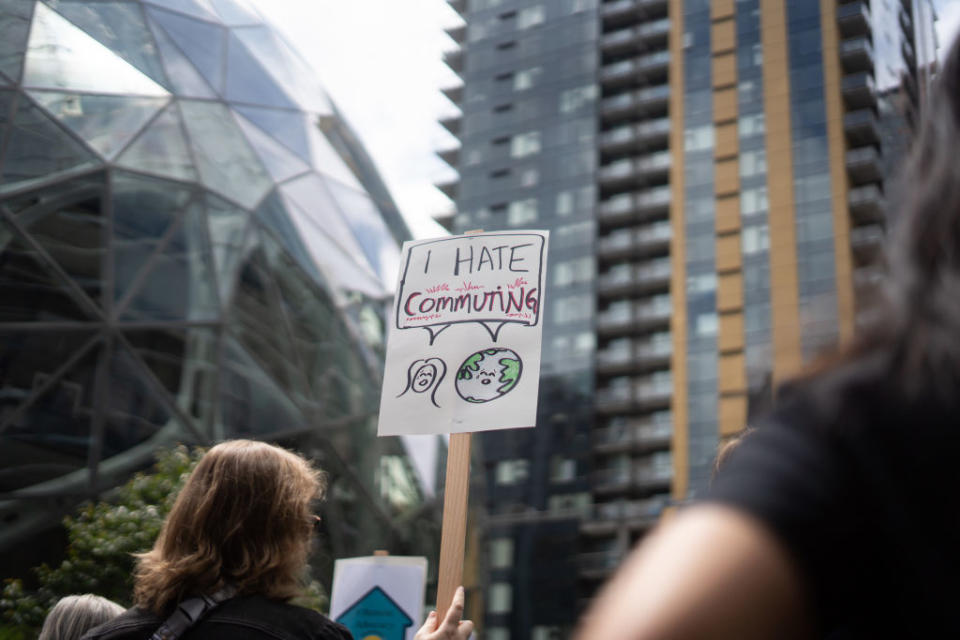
{"x": 450, "y": 188}
{"x": 627, "y": 279}
{"x": 637, "y": 435}
{"x": 863, "y": 165}
{"x": 635, "y": 70}
{"x": 859, "y": 90}
{"x": 633, "y": 104}
{"x": 452, "y": 124}
{"x": 866, "y": 204}
{"x": 643, "y": 37}
{"x": 629, "y": 172}
{"x": 636, "y": 138}
{"x": 460, "y": 6}
{"x": 454, "y": 60}
{"x": 633, "y": 207}
{"x": 854, "y": 19}
{"x": 644, "y": 477}
{"x": 867, "y": 242}
{"x": 856, "y": 55}
{"x": 908, "y": 55}
{"x": 454, "y": 94}
{"x": 906, "y": 22}
{"x": 639, "y": 393}
{"x": 598, "y": 565}
{"x": 621, "y": 12}
{"x": 450, "y": 156}
{"x": 642, "y": 242}
{"x": 627, "y": 317}
{"x": 624, "y": 355}
{"x": 861, "y": 128}
{"x": 608, "y": 517}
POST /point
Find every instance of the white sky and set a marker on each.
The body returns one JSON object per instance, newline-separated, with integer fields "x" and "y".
{"x": 948, "y": 25}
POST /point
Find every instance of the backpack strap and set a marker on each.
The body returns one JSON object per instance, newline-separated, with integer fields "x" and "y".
{"x": 189, "y": 612}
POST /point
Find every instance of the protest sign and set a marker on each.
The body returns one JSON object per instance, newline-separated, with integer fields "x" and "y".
{"x": 379, "y": 597}
{"x": 463, "y": 349}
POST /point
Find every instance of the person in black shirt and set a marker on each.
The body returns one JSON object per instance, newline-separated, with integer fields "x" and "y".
{"x": 838, "y": 516}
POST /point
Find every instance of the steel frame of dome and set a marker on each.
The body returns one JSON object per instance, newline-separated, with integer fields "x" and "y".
{"x": 189, "y": 251}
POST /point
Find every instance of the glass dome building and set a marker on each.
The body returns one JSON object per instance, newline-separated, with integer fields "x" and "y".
{"x": 193, "y": 246}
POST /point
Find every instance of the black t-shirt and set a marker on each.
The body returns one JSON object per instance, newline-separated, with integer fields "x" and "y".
{"x": 863, "y": 489}
{"x": 242, "y": 618}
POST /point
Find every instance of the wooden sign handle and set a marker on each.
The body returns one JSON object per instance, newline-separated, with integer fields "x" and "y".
{"x": 454, "y": 533}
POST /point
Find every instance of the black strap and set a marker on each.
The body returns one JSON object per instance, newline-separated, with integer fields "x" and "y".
{"x": 189, "y": 612}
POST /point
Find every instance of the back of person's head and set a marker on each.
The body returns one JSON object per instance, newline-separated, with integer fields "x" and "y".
{"x": 243, "y": 518}
{"x": 73, "y": 616}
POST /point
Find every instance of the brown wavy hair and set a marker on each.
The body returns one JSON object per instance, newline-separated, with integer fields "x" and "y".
{"x": 243, "y": 518}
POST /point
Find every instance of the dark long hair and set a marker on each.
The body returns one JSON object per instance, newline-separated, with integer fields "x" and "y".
{"x": 910, "y": 345}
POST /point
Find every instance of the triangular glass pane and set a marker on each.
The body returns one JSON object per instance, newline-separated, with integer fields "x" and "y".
{"x": 135, "y": 409}
{"x": 179, "y": 281}
{"x": 225, "y": 160}
{"x": 228, "y": 227}
{"x": 273, "y": 215}
{"x": 121, "y": 26}
{"x": 14, "y": 29}
{"x": 251, "y": 403}
{"x": 162, "y": 149}
{"x": 279, "y": 161}
{"x": 371, "y": 232}
{"x": 327, "y": 161}
{"x": 30, "y": 289}
{"x": 236, "y": 12}
{"x": 287, "y": 127}
{"x": 196, "y": 8}
{"x": 249, "y": 82}
{"x": 201, "y": 42}
{"x": 184, "y": 78}
{"x": 67, "y": 220}
{"x": 107, "y": 123}
{"x": 53, "y": 435}
{"x": 61, "y": 56}
{"x": 184, "y": 362}
{"x": 297, "y": 78}
{"x": 144, "y": 209}
{"x": 36, "y": 145}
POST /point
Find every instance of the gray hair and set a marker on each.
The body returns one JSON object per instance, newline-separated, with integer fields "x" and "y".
{"x": 73, "y": 616}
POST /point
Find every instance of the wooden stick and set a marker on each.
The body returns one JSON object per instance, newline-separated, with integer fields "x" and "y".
{"x": 454, "y": 533}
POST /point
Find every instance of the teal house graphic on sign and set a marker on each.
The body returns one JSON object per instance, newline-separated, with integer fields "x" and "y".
{"x": 376, "y": 616}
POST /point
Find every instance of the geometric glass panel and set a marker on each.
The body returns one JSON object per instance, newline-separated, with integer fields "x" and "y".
{"x": 225, "y": 160}
{"x": 369, "y": 228}
{"x": 228, "y": 228}
{"x": 30, "y": 288}
{"x": 36, "y": 146}
{"x": 236, "y": 12}
{"x": 14, "y": 28}
{"x": 248, "y": 82}
{"x": 68, "y": 223}
{"x": 178, "y": 283}
{"x": 196, "y": 8}
{"x": 51, "y": 437}
{"x": 272, "y": 213}
{"x": 60, "y": 55}
{"x": 279, "y": 161}
{"x": 161, "y": 149}
{"x": 144, "y": 209}
{"x": 121, "y": 26}
{"x": 107, "y": 123}
{"x": 184, "y": 78}
{"x": 202, "y": 42}
{"x": 288, "y": 128}
{"x": 183, "y": 361}
{"x": 327, "y": 161}
{"x": 295, "y": 76}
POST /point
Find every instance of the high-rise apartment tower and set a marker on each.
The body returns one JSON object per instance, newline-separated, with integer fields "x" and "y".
{"x": 713, "y": 175}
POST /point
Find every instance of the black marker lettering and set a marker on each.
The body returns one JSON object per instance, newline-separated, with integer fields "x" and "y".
{"x": 459, "y": 261}
{"x": 427, "y": 263}
{"x": 514, "y": 258}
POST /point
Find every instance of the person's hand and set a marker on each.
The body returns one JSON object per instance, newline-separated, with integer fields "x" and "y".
{"x": 452, "y": 627}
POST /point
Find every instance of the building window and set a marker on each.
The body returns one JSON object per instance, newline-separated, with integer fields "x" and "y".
{"x": 573, "y": 271}
{"x": 699, "y": 138}
{"x": 706, "y": 324}
{"x": 531, "y": 17}
{"x": 525, "y": 144}
{"x": 501, "y": 553}
{"x": 754, "y": 201}
{"x": 500, "y": 598}
{"x": 569, "y": 502}
{"x": 752, "y": 125}
{"x": 755, "y": 238}
{"x": 522, "y": 212}
{"x": 529, "y": 177}
{"x": 562, "y": 469}
{"x": 497, "y": 633}
{"x": 499, "y": 173}
{"x": 584, "y": 342}
{"x": 753, "y": 163}
{"x": 510, "y": 472}
{"x": 571, "y": 309}
{"x": 573, "y": 99}
{"x": 526, "y": 78}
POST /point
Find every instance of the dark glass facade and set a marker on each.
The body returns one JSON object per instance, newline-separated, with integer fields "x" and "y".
{"x": 193, "y": 247}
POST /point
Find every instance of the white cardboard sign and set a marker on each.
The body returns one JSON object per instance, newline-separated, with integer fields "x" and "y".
{"x": 463, "y": 348}
{"x": 379, "y": 597}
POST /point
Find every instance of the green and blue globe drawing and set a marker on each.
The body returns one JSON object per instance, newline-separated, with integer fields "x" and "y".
{"x": 488, "y": 374}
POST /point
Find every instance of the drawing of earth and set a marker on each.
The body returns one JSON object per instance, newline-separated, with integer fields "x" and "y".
{"x": 488, "y": 374}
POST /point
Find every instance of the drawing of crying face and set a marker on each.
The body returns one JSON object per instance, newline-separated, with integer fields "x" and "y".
{"x": 424, "y": 377}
